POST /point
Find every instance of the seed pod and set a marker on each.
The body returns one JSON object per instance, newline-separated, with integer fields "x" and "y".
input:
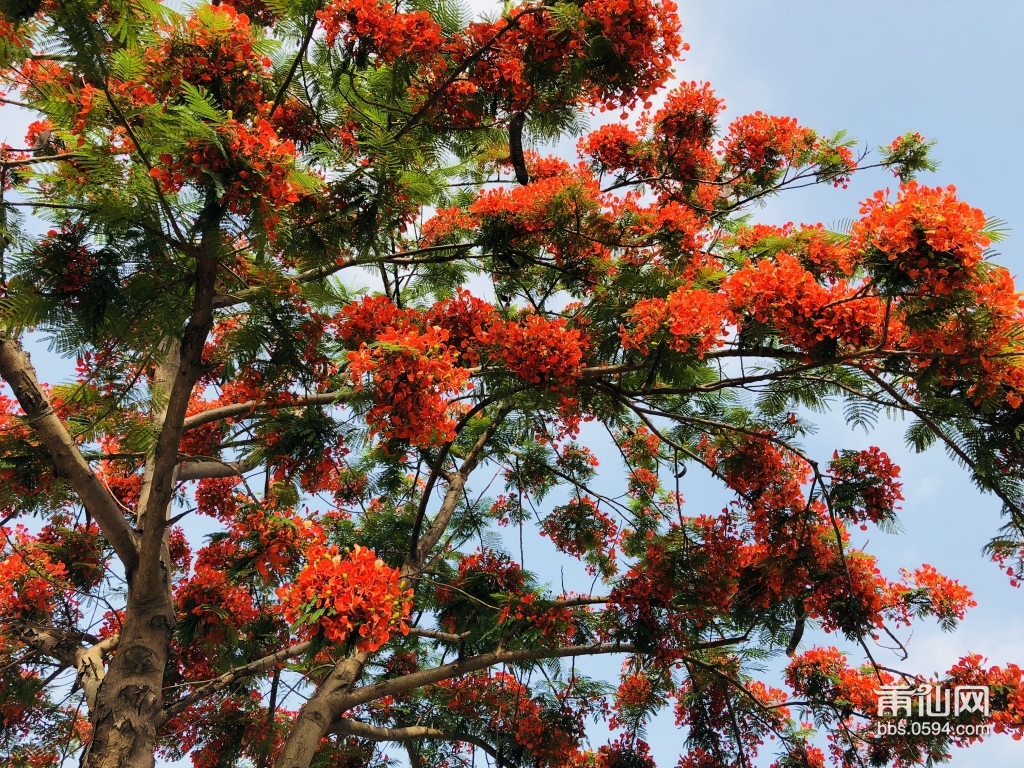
{"x": 515, "y": 147}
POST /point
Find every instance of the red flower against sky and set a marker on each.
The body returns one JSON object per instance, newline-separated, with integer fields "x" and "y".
{"x": 928, "y": 234}
{"x": 539, "y": 350}
{"x": 696, "y": 320}
{"x": 413, "y": 376}
{"x": 351, "y": 596}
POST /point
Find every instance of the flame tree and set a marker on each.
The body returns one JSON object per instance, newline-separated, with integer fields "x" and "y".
{"x": 254, "y": 527}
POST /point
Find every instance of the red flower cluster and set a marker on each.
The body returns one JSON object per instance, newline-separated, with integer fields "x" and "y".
{"x": 640, "y": 445}
{"x": 30, "y": 582}
{"x": 481, "y": 577}
{"x": 947, "y": 599}
{"x": 466, "y": 319}
{"x": 684, "y": 129}
{"x": 539, "y": 350}
{"x": 447, "y": 225}
{"x": 256, "y": 10}
{"x": 927, "y": 234}
{"x": 784, "y": 294}
{"x": 759, "y": 146}
{"x": 218, "y": 605}
{"x": 271, "y": 543}
{"x": 76, "y": 548}
{"x": 534, "y": 209}
{"x": 616, "y": 148}
{"x": 253, "y": 163}
{"x": 643, "y": 483}
{"x": 361, "y": 322}
{"x": 821, "y": 253}
{"x": 501, "y": 574}
{"x": 35, "y": 129}
{"x": 215, "y": 51}
{"x": 1007, "y": 685}
{"x": 625, "y": 752}
{"x": 581, "y": 529}
{"x": 413, "y": 376}
{"x": 500, "y": 703}
{"x": 696, "y": 320}
{"x": 781, "y": 293}
{"x": 217, "y": 497}
{"x": 865, "y": 485}
{"x": 350, "y": 596}
{"x": 632, "y": 44}
{"x": 374, "y": 27}
{"x": 822, "y": 674}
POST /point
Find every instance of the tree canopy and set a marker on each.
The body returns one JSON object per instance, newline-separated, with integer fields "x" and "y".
{"x": 260, "y": 522}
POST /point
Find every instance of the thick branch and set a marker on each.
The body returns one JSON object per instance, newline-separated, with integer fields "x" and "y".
{"x": 66, "y": 647}
{"x": 317, "y": 714}
{"x": 17, "y": 370}
{"x": 446, "y": 637}
{"x": 50, "y": 641}
{"x": 421, "y": 547}
{"x": 167, "y": 368}
{"x": 203, "y": 469}
{"x": 250, "y": 406}
{"x": 515, "y": 148}
{"x": 345, "y": 701}
{"x": 322, "y": 709}
{"x": 411, "y": 733}
{"x": 89, "y": 663}
{"x": 238, "y": 673}
{"x": 184, "y": 367}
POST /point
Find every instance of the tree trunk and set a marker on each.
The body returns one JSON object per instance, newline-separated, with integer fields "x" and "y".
{"x": 129, "y": 701}
{"x": 318, "y": 714}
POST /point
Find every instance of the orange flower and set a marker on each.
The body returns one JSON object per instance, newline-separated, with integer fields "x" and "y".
{"x": 347, "y": 596}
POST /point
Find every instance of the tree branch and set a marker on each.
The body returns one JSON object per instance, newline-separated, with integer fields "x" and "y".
{"x": 250, "y": 406}
{"x": 223, "y": 300}
{"x": 1012, "y": 507}
{"x": 238, "y": 673}
{"x": 40, "y": 159}
{"x": 91, "y": 672}
{"x": 66, "y": 647}
{"x": 307, "y": 38}
{"x": 420, "y": 547}
{"x": 446, "y": 637}
{"x": 367, "y": 693}
{"x": 50, "y": 641}
{"x": 17, "y": 370}
{"x": 348, "y": 727}
{"x": 203, "y": 468}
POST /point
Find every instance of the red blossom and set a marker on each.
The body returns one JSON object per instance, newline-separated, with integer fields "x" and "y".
{"x": 347, "y": 596}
